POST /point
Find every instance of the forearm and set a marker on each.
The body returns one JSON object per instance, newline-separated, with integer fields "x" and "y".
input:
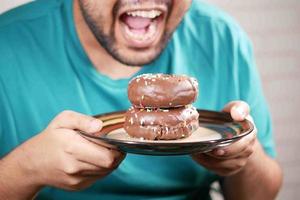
{"x": 17, "y": 181}
{"x": 261, "y": 178}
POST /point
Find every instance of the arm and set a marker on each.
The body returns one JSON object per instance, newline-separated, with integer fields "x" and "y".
{"x": 248, "y": 173}
{"x": 57, "y": 157}
{"x": 15, "y": 181}
{"x": 261, "y": 178}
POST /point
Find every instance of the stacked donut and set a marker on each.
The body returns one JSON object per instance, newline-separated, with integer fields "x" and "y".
{"x": 161, "y": 107}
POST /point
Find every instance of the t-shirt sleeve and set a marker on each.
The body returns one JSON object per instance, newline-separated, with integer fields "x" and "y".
{"x": 251, "y": 92}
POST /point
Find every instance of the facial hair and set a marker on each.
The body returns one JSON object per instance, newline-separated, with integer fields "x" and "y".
{"x": 108, "y": 42}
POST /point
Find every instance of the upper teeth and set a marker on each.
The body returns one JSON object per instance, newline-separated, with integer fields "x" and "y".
{"x": 146, "y": 14}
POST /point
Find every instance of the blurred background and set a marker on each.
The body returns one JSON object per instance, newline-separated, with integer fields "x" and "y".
{"x": 274, "y": 27}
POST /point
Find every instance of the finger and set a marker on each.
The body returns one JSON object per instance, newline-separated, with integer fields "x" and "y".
{"x": 97, "y": 155}
{"x": 88, "y": 167}
{"x": 243, "y": 154}
{"x": 220, "y": 167}
{"x": 236, "y": 149}
{"x": 88, "y": 170}
{"x": 239, "y": 110}
{"x": 73, "y": 167}
{"x": 103, "y": 158}
{"x": 80, "y": 168}
{"x": 201, "y": 158}
{"x": 99, "y": 142}
{"x": 208, "y": 162}
{"x": 74, "y": 120}
{"x": 79, "y": 182}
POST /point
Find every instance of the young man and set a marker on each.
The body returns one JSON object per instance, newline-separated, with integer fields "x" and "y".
{"x": 79, "y": 56}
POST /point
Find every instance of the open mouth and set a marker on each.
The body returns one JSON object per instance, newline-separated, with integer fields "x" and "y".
{"x": 142, "y": 28}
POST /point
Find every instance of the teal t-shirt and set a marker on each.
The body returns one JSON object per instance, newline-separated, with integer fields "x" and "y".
{"x": 44, "y": 70}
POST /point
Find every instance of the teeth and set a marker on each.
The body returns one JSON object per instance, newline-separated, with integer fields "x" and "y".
{"x": 146, "y": 14}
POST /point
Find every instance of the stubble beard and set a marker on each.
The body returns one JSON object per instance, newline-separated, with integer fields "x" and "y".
{"x": 108, "y": 42}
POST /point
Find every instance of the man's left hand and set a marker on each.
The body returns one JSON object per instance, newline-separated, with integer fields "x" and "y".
{"x": 231, "y": 159}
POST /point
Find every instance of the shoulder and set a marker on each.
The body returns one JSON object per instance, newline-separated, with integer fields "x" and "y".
{"x": 213, "y": 24}
{"x": 212, "y": 35}
{"x": 204, "y": 13}
{"x": 28, "y": 12}
{"x": 22, "y": 28}
{"x": 19, "y": 23}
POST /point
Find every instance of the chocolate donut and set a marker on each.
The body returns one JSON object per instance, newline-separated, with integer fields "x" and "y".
{"x": 161, "y": 124}
{"x": 162, "y": 91}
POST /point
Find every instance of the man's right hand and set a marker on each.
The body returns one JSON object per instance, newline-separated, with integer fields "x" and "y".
{"x": 60, "y": 157}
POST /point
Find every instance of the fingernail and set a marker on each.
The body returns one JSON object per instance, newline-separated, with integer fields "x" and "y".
{"x": 240, "y": 111}
{"x": 95, "y": 125}
{"x": 220, "y": 152}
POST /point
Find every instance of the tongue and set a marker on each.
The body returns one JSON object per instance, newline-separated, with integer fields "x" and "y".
{"x": 137, "y": 22}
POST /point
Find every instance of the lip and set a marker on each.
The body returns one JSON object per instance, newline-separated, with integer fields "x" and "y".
{"x": 160, "y": 7}
{"x": 160, "y": 23}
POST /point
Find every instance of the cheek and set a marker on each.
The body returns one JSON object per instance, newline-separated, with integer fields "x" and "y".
{"x": 180, "y": 7}
{"x": 101, "y": 12}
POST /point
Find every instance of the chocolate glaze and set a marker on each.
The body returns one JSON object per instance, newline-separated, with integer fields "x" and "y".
{"x": 161, "y": 124}
{"x": 162, "y": 91}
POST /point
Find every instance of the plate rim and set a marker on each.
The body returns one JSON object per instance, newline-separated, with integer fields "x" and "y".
{"x": 146, "y": 142}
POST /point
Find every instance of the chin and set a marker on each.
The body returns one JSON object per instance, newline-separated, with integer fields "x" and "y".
{"x": 137, "y": 57}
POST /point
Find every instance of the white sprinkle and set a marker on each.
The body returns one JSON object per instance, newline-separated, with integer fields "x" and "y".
{"x": 131, "y": 121}
{"x": 142, "y": 122}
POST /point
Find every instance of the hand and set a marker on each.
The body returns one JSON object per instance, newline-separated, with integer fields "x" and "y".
{"x": 230, "y": 160}
{"x": 62, "y": 158}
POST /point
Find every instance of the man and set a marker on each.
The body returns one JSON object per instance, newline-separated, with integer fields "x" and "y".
{"x": 79, "y": 56}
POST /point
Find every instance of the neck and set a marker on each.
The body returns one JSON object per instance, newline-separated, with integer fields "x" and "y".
{"x": 102, "y": 61}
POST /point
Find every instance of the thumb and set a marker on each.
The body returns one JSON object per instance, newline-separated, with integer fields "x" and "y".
{"x": 76, "y": 121}
{"x": 239, "y": 110}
